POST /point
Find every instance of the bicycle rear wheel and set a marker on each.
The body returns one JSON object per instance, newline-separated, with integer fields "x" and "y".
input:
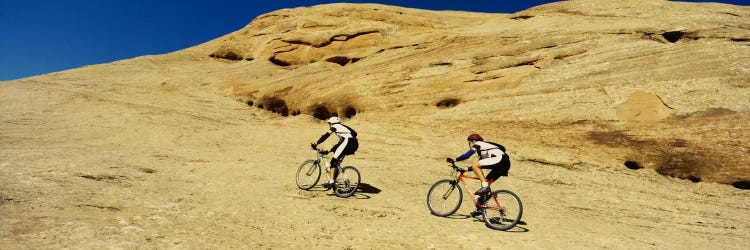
{"x": 347, "y": 182}
{"x": 444, "y": 197}
{"x": 308, "y": 174}
{"x": 503, "y": 210}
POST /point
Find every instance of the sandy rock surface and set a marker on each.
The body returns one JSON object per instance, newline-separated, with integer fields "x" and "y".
{"x": 625, "y": 122}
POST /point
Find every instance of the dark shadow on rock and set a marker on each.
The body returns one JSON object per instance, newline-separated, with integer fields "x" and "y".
{"x": 516, "y": 229}
{"x": 367, "y": 188}
{"x": 458, "y": 216}
{"x": 362, "y": 191}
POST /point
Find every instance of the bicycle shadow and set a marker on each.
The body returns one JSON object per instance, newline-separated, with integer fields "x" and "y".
{"x": 364, "y": 190}
{"x": 368, "y": 189}
{"x": 516, "y": 229}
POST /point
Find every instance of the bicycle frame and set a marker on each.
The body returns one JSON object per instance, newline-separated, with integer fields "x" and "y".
{"x": 441, "y": 200}
{"x": 322, "y": 160}
{"x": 343, "y": 181}
{"x": 460, "y": 179}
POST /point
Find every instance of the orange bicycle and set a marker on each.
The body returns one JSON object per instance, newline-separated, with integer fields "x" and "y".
{"x": 500, "y": 209}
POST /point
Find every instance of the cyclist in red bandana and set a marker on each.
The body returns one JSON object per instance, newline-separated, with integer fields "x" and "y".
{"x": 491, "y": 156}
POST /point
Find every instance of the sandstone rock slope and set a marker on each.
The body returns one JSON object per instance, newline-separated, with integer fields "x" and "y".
{"x": 626, "y": 122}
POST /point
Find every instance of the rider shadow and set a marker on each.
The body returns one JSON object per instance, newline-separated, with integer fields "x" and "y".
{"x": 364, "y": 190}
{"x": 367, "y": 188}
{"x": 517, "y": 229}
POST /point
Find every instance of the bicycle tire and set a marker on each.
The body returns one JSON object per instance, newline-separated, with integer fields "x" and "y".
{"x": 503, "y": 210}
{"x": 347, "y": 182}
{"x": 444, "y": 197}
{"x": 308, "y": 174}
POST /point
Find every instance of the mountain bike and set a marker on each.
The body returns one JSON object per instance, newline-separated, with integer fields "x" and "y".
{"x": 501, "y": 209}
{"x": 345, "y": 182}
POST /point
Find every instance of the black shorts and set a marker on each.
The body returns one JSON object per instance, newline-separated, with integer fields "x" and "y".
{"x": 351, "y": 146}
{"x": 499, "y": 169}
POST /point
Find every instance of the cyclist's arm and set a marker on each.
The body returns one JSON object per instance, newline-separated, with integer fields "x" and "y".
{"x": 323, "y": 138}
{"x": 465, "y": 155}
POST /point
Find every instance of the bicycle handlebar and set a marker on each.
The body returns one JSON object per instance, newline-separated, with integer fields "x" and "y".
{"x": 321, "y": 151}
{"x": 453, "y": 165}
{"x": 458, "y": 169}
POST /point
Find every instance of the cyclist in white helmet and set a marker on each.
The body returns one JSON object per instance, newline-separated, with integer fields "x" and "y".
{"x": 347, "y": 145}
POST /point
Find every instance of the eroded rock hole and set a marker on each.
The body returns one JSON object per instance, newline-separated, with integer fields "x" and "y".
{"x": 447, "y": 103}
{"x": 229, "y": 55}
{"x": 633, "y": 165}
{"x": 276, "y": 105}
{"x": 147, "y": 170}
{"x": 321, "y": 112}
{"x": 350, "y": 112}
{"x": 278, "y": 62}
{"x": 250, "y": 103}
{"x": 521, "y": 17}
{"x": 742, "y": 185}
{"x": 340, "y": 60}
{"x": 441, "y": 64}
{"x": 673, "y": 36}
{"x": 693, "y": 178}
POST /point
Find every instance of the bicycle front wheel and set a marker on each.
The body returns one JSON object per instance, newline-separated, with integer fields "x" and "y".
{"x": 503, "y": 210}
{"x": 347, "y": 182}
{"x": 444, "y": 197}
{"x": 308, "y": 174}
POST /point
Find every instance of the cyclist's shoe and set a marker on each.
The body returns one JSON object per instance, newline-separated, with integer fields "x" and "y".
{"x": 475, "y": 213}
{"x": 482, "y": 190}
{"x": 481, "y": 199}
{"x": 327, "y": 185}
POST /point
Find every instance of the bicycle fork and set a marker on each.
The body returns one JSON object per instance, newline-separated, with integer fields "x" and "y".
{"x": 448, "y": 192}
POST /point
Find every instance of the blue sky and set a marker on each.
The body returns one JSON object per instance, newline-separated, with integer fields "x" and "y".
{"x": 43, "y": 36}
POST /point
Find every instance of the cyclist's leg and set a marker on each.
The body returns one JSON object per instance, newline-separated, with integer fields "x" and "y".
{"x": 335, "y": 165}
{"x": 339, "y": 149}
{"x": 338, "y": 157}
{"x": 499, "y": 169}
{"x": 485, "y": 163}
{"x": 351, "y": 146}
{"x": 477, "y": 168}
{"x": 494, "y": 174}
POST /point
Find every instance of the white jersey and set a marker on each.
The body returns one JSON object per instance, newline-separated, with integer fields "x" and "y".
{"x": 487, "y": 150}
{"x": 342, "y": 131}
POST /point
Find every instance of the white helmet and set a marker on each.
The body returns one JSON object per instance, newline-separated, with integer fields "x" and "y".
{"x": 334, "y": 120}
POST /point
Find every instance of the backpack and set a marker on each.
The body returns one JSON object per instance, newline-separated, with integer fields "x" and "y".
{"x": 354, "y": 132}
{"x": 502, "y": 148}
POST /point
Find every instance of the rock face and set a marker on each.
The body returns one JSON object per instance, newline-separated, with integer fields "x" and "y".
{"x": 642, "y": 106}
{"x": 648, "y": 71}
{"x": 596, "y": 101}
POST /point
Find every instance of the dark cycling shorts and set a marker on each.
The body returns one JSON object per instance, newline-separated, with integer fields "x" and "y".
{"x": 351, "y": 146}
{"x": 499, "y": 169}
